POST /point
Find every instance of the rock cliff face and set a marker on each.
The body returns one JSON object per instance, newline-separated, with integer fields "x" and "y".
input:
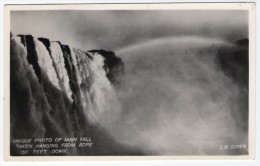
{"x": 59, "y": 91}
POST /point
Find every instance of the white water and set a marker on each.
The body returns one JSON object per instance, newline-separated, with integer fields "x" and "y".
{"x": 103, "y": 94}
{"x": 46, "y": 63}
{"x": 58, "y": 59}
{"x": 97, "y": 95}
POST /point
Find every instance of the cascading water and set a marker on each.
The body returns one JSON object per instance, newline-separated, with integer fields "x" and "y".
{"x": 57, "y": 91}
{"x": 189, "y": 97}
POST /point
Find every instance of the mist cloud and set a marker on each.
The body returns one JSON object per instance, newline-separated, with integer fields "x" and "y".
{"x": 177, "y": 100}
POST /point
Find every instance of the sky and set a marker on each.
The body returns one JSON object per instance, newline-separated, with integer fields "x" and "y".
{"x": 115, "y": 30}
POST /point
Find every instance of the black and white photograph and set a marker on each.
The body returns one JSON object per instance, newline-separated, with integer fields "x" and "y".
{"x": 129, "y": 81}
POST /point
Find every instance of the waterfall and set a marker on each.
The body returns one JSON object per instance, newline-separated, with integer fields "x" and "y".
{"x": 58, "y": 91}
{"x": 171, "y": 96}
